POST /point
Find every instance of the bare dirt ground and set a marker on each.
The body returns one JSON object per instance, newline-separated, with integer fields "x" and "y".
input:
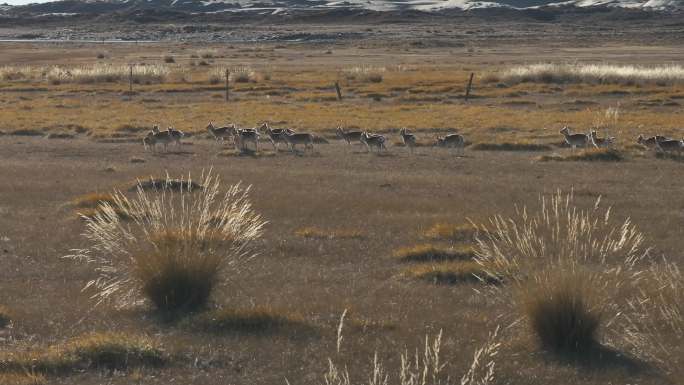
{"x": 390, "y": 199}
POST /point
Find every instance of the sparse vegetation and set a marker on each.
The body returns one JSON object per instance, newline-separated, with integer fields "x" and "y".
{"x": 257, "y": 320}
{"x": 318, "y": 233}
{"x": 430, "y": 252}
{"x": 97, "y": 351}
{"x": 510, "y": 146}
{"x": 426, "y": 367}
{"x": 452, "y": 232}
{"x": 177, "y": 248}
{"x": 588, "y": 155}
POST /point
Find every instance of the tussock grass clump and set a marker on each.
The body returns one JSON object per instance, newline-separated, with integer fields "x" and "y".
{"x": 238, "y": 75}
{"x": 449, "y": 273}
{"x": 365, "y": 74}
{"x": 588, "y": 155}
{"x": 594, "y": 73}
{"x": 562, "y": 311}
{"x": 452, "y": 232}
{"x": 602, "y": 266}
{"x": 107, "y": 73}
{"x": 177, "y": 247}
{"x": 257, "y": 320}
{"x": 510, "y": 146}
{"x": 318, "y": 233}
{"x": 430, "y": 252}
{"x": 5, "y": 316}
{"x": 97, "y": 351}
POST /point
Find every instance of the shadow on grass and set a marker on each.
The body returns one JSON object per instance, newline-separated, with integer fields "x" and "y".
{"x": 599, "y": 358}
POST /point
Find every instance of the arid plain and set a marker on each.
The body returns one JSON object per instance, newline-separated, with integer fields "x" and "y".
{"x": 338, "y": 218}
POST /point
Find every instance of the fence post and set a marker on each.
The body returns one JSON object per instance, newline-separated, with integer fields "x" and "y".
{"x": 338, "y": 90}
{"x": 470, "y": 85}
{"x": 227, "y": 85}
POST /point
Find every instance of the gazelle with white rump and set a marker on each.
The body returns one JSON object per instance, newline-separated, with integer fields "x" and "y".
{"x": 456, "y": 141}
{"x": 276, "y": 135}
{"x": 408, "y": 139}
{"x": 652, "y": 142}
{"x": 574, "y": 140}
{"x": 221, "y": 133}
{"x": 349, "y": 136}
{"x": 293, "y": 139}
{"x": 171, "y": 135}
{"x": 601, "y": 142}
{"x": 373, "y": 140}
{"x": 671, "y": 145}
{"x": 246, "y": 135}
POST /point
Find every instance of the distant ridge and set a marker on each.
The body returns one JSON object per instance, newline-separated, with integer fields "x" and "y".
{"x": 285, "y": 7}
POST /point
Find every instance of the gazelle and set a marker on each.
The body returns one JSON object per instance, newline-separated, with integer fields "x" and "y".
{"x": 171, "y": 135}
{"x": 373, "y": 140}
{"x": 574, "y": 140}
{"x": 276, "y": 135}
{"x": 670, "y": 145}
{"x": 349, "y": 136}
{"x": 221, "y": 133}
{"x": 652, "y": 142}
{"x": 452, "y": 141}
{"x": 600, "y": 142}
{"x": 247, "y": 135}
{"x": 408, "y": 139}
{"x": 293, "y": 139}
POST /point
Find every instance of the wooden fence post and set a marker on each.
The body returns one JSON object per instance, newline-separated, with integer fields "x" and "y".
{"x": 470, "y": 85}
{"x": 338, "y": 90}
{"x": 227, "y": 85}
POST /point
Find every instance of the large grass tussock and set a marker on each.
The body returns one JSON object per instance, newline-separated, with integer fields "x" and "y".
{"x": 573, "y": 275}
{"x": 175, "y": 249}
{"x": 594, "y": 73}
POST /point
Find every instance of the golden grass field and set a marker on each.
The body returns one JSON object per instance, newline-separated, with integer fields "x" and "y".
{"x": 386, "y": 237}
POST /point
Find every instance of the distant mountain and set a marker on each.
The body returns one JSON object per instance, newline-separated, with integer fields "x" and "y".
{"x": 69, "y": 7}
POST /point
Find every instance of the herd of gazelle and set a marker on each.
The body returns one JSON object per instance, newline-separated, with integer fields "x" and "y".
{"x": 241, "y": 137}
{"x": 658, "y": 142}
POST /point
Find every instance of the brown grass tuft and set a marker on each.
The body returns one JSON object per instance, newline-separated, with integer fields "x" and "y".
{"x": 430, "y": 252}
{"x": 318, "y": 233}
{"x": 92, "y": 200}
{"x": 22, "y": 379}
{"x": 449, "y": 273}
{"x": 97, "y": 350}
{"x": 452, "y": 232}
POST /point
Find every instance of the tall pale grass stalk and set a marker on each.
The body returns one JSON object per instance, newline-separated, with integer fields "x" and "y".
{"x": 164, "y": 244}
{"x": 594, "y": 73}
{"x": 424, "y": 367}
